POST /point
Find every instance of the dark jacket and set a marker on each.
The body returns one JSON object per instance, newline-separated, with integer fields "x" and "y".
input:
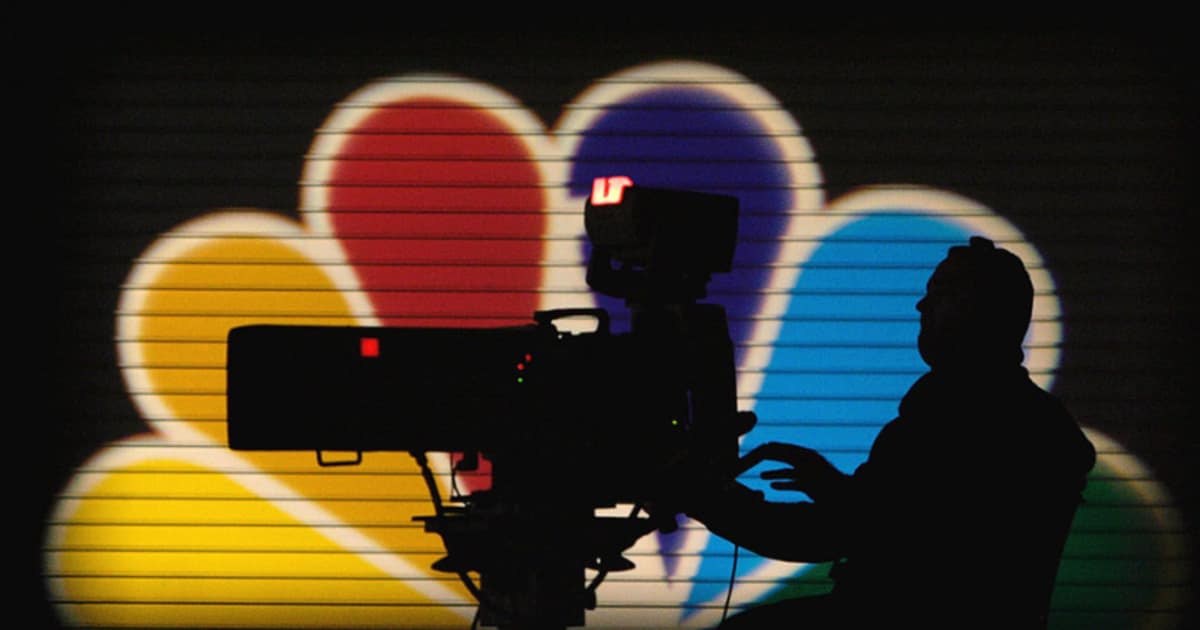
{"x": 961, "y": 508}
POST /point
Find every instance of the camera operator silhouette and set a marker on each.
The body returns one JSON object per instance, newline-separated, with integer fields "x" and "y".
{"x": 959, "y": 515}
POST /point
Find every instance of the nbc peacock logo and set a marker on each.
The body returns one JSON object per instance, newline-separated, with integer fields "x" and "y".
{"x": 436, "y": 200}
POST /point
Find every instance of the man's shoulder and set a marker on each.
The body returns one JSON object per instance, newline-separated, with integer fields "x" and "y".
{"x": 1005, "y": 408}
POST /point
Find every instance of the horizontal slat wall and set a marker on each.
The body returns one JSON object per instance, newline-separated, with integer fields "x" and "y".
{"x": 1071, "y": 145}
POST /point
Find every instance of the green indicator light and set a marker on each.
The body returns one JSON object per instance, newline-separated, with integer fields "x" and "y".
{"x": 520, "y": 379}
{"x": 674, "y": 422}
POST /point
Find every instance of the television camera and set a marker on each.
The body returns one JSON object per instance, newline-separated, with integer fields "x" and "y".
{"x": 569, "y": 422}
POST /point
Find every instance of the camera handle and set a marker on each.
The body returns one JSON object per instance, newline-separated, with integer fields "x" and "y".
{"x": 328, "y": 463}
{"x": 547, "y": 318}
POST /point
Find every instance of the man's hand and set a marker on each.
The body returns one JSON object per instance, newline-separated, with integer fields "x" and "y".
{"x": 809, "y": 472}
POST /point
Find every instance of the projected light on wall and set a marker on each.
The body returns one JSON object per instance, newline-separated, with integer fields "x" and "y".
{"x": 438, "y": 200}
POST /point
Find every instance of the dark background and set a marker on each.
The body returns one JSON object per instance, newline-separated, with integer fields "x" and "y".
{"x": 1083, "y": 139}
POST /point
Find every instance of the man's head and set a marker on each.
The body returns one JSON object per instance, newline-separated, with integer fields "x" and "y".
{"x": 976, "y": 309}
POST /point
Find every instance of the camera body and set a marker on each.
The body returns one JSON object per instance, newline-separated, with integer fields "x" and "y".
{"x": 613, "y": 411}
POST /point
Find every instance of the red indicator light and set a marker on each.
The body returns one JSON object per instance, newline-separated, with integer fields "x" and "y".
{"x": 368, "y": 346}
{"x": 608, "y": 191}
{"x": 520, "y": 367}
{"x": 528, "y": 358}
